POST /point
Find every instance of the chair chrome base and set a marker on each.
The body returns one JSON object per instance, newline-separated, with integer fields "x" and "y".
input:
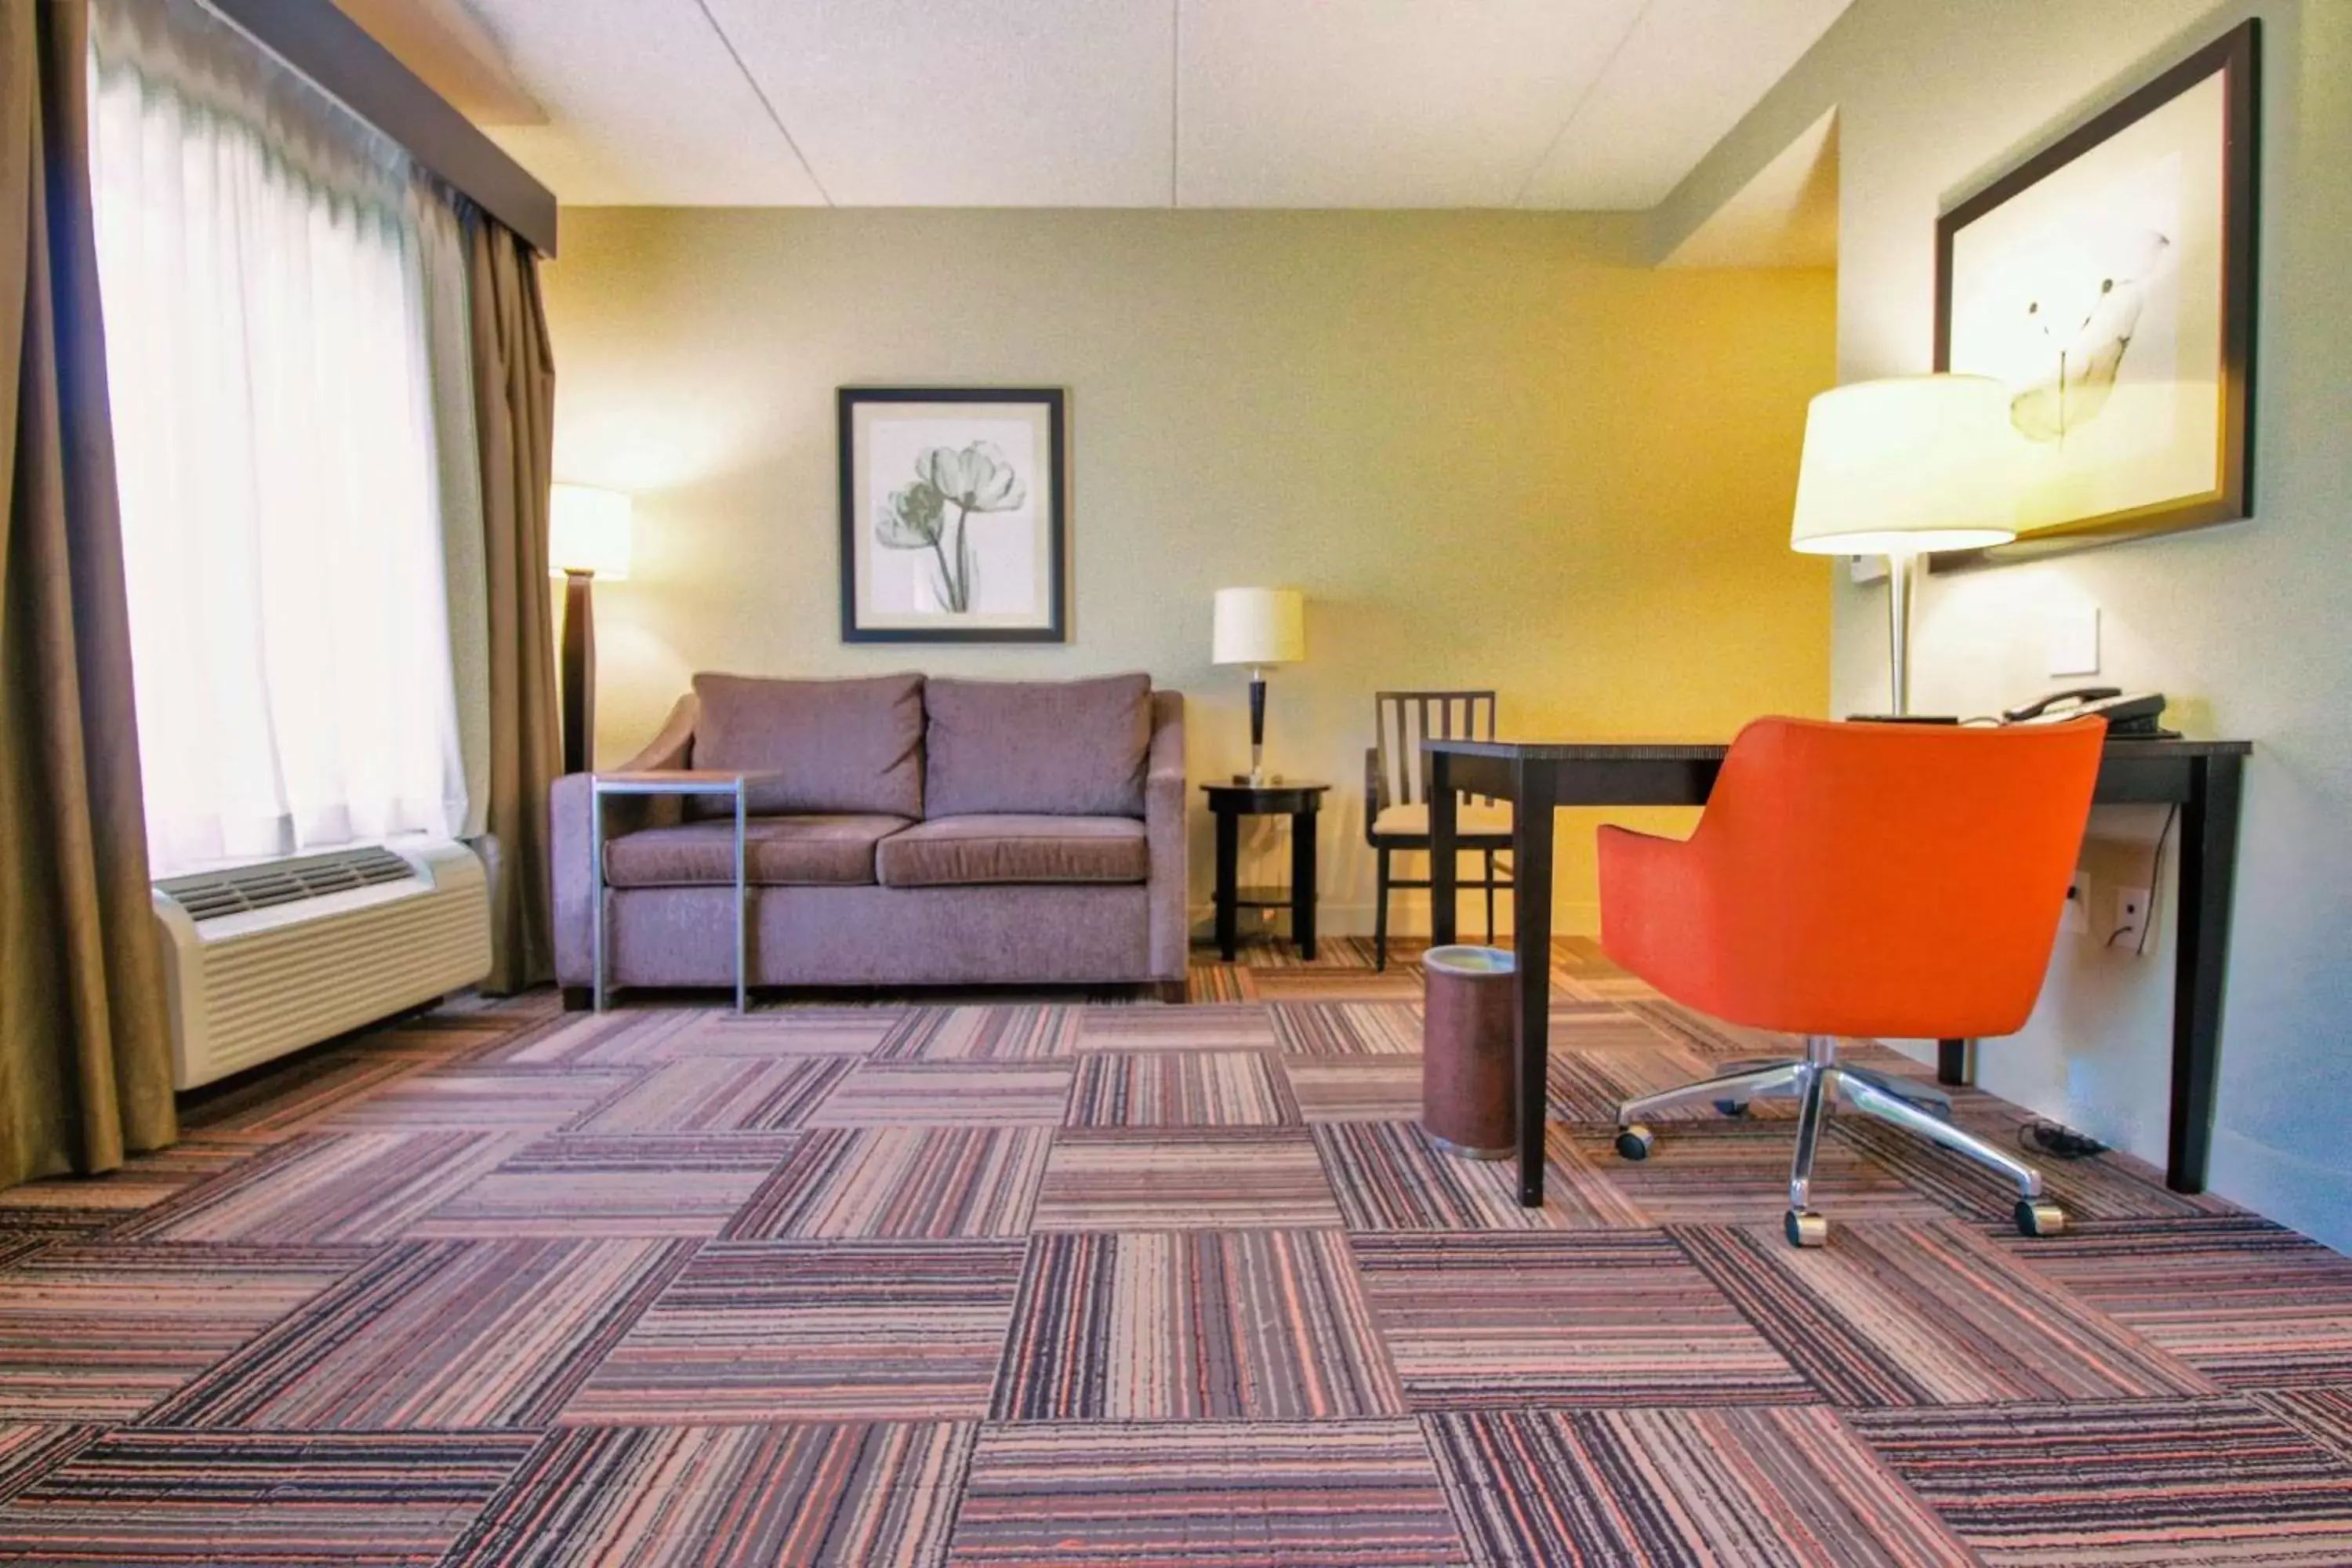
{"x": 1819, "y": 1083}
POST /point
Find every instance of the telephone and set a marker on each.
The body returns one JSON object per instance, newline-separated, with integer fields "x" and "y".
{"x": 2139, "y": 715}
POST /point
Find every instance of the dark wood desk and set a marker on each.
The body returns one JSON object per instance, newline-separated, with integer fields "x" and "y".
{"x": 2204, "y": 778}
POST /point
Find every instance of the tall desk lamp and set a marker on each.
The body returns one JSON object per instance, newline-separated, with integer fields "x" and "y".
{"x": 1902, "y": 468}
{"x": 588, "y": 538}
{"x": 1259, "y": 627}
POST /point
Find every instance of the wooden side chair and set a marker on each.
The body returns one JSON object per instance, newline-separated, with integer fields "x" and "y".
{"x": 1396, "y": 792}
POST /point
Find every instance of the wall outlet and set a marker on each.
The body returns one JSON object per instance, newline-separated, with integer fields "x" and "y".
{"x": 2131, "y": 917}
{"x": 2076, "y": 916}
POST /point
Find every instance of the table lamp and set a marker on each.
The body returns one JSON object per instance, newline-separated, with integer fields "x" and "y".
{"x": 1900, "y": 467}
{"x": 588, "y": 537}
{"x": 1259, "y": 626}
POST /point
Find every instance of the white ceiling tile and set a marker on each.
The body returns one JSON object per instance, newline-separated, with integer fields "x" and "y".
{"x": 1688, "y": 71}
{"x": 1379, "y": 103}
{"x": 969, "y": 102}
{"x": 645, "y": 105}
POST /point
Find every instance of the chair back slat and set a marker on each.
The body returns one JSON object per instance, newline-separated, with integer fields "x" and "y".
{"x": 1403, "y": 719}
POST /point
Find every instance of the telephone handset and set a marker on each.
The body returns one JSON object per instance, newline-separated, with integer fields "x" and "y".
{"x": 2139, "y": 714}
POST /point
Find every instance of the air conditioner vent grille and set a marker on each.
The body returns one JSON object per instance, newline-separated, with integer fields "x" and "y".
{"x": 210, "y": 895}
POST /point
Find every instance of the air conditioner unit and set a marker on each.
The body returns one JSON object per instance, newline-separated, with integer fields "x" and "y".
{"x": 267, "y": 959}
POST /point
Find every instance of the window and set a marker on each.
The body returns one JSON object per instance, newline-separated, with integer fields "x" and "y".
{"x": 263, "y": 262}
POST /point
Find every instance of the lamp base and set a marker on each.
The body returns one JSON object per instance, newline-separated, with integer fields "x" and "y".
{"x": 1902, "y": 717}
{"x": 1257, "y": 779}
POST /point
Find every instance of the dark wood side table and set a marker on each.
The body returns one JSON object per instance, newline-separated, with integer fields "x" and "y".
{"x": 1299, "y": 800}
{"x": 2204, "y": 778}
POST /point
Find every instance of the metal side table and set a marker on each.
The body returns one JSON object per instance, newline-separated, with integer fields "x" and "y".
{"x": 729, "y": 786}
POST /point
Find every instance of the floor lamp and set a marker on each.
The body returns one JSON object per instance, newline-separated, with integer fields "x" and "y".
{"x": 1902, "y": 468}
{"x": 588, "y": 538}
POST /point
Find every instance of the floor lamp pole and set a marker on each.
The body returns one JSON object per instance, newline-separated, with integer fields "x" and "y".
{"x": 579, "y": 671}
{"x": 1899, "y": 580}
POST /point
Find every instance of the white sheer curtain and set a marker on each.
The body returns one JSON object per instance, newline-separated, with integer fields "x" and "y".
{"x": 269, "y": 356}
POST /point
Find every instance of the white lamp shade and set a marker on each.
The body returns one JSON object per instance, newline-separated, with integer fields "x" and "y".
{"x": 1260, "y": 625}
{"x": 589, "y": 531}
{"x": 1909, "y": 464}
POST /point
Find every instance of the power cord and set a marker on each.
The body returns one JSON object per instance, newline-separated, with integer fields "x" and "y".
{"x": 2155, "y": 879}
{"x": 2058, "y": 1142}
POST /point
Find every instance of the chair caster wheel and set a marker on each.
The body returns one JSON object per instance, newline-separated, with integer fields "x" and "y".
{"x": 2039, "y": 1217}
{"x": 1634, "y": 1142}
{"x": 1732, "y": 1108}
{"x": 1803, "y": 1228}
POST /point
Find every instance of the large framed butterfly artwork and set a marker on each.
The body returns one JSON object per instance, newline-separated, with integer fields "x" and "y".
{"x": 2109, "y": 280}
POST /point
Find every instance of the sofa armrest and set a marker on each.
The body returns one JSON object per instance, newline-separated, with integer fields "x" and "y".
{"x": 568, "y": 808}
{"x": 1164, "y": 803}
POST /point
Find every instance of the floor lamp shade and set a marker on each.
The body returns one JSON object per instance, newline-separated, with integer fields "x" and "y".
{"x": 588, "y": 537}
{"x": 1258, "y": 627}
{"x": 1902, "y": 467}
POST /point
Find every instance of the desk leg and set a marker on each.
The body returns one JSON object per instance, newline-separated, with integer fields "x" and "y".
{"x": 1443, "y": 809}
{"x": 1229, "y": 863}
{"x": 1952, "y": 1064}
{"x": 1302, "y": 882}
{"x": 1531, "y": 829}
{"x": 2208, "y": 873}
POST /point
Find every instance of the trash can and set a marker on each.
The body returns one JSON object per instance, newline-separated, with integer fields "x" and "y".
{"x": 1469, "y": 1087}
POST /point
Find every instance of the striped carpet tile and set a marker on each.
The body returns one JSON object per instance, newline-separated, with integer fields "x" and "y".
{"x": 614, "y": 1184}
{"x": 948, "y": 1094}
{"x": 1194, "y": 1029}
{"x": 1248, "y": 1325}
{"x": 1569, "y": 1318}
{"x": 1716, "y": 1171}
{"x": 101, "y": 1332}
{"x": 906, "y": 1183}
{"x": 1399, "y": 982}
{"x": 1774, "y": 1489}
{"x": 806, "y": 1331}
{"x": 1180, "y": 1088}
{"x": 814, "y": 1497}
{"x": 1325, "y": 1494}
{"x": 1184, "y": 1178}
{"x": 2108, "y": 1186}
{"x": 1709, "y": 1036}
{"x": 29, "y": 1450}
{"x": 438, "y": 1334}
{"x": 498, "y": 1098}
{"x": 1346, "y": 1029}
{"x": 70, "y": 1204}
{"x": 286, "y": 1500}
{"x": 979, "y": 1034}
{"x": 721, "y": 1094}
{"x": 290, "y": 1097}
{"x": 1349, "y": 1088}
{"x": 625, "y": 1037}
{"x": 2157, "y": 1482}
{"x": 328, "y": 1187}
{"x": 2321, "y": 1415}
{"x": 784, "y": 1032}
{"x": 1392, "y": 1176}
{"x": 2248, "y": 1303}
{"x": 1588, "y": 1085}
{"x": 1928, "y": 1314}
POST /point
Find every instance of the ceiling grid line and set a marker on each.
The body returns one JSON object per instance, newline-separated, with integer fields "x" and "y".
{"x": 1632, "y": 26}
{"x": 761, "y": 94}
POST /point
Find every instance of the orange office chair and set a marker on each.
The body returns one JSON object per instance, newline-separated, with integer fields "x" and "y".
{"x": 1858, "y": 880}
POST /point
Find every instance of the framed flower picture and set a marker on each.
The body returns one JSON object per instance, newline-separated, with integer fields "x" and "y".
{"x": 953, "y": 523}
{"x": 2109, "y": 281}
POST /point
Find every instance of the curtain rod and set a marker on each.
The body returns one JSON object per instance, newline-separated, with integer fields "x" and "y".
{"x": 337, "y": 54}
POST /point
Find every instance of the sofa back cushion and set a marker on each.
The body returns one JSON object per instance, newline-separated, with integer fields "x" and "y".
{"x": 1065, "y": 748}
{"x": 833, "y": 745}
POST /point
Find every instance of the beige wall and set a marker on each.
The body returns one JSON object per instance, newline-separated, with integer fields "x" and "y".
{"x": 2242, "y": 626}
{"x": 1493, "y": 449}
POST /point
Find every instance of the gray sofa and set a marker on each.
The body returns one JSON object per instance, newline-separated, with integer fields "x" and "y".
{"x": 914, "y": 831}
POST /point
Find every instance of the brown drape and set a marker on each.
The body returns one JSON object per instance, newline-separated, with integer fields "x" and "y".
{"x": 85, "y": 1048}
{"x": 514, "y": 412}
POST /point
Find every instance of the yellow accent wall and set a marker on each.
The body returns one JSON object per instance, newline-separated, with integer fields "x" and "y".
{"x": 1493, "y": 449}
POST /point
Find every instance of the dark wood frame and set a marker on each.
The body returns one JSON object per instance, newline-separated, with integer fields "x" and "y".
{"x": 846, "y": 400}
{"x": 2237, "y": 56}
{"x": 1301, "y": 801}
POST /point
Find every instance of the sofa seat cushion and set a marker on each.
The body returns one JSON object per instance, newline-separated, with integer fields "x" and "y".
{"x": 835, "y": 850}
{"x": 959, "y": 851}
{"x": 1470, "y": 817}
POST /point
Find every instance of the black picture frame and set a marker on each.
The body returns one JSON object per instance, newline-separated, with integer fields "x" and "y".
{"x": 1054, "y": 626}
{"x": 2236, "y": 57}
